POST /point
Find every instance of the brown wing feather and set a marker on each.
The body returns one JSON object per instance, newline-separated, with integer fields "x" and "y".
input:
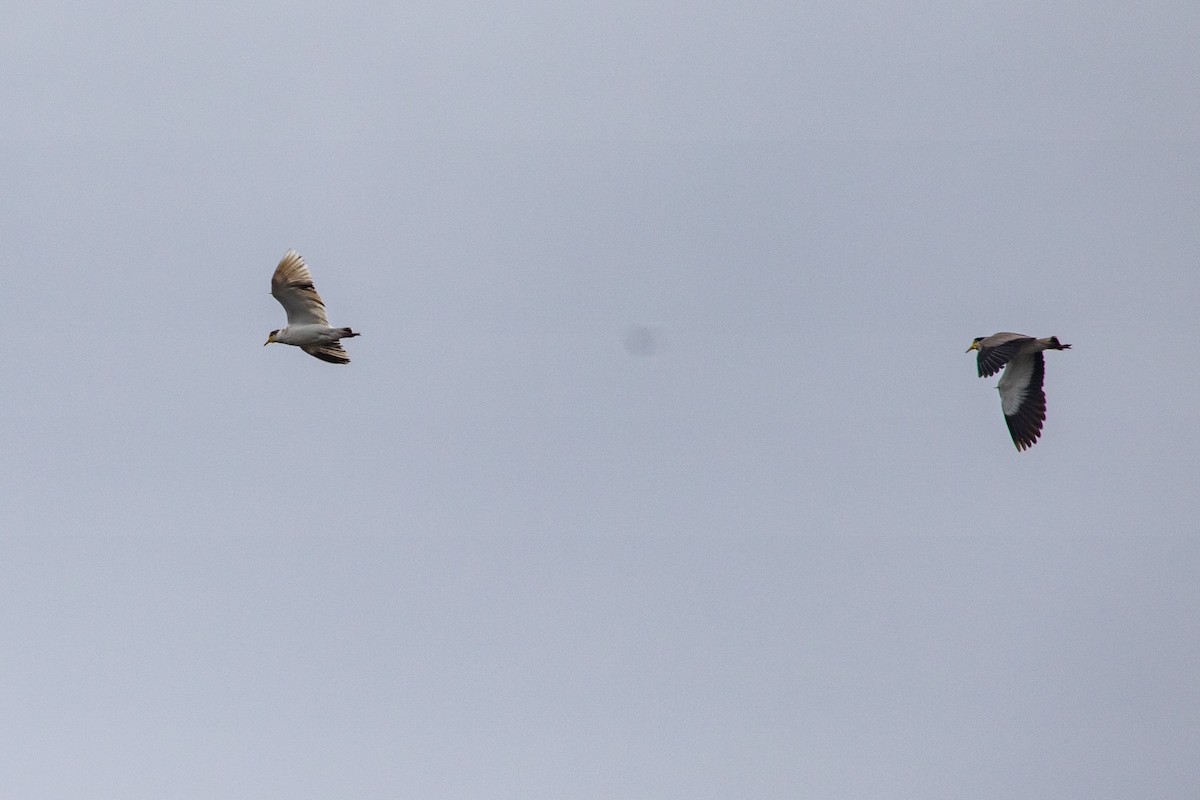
{"x": 292, "y": 286}
{"x": 333, "y": 353}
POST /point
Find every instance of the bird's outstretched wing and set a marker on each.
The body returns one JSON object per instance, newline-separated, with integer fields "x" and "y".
{"x": 996, "y": 351}
{"x": 334, "y": 353}
{"x": 292, "y": 286}
{"x": 1023, "y": 399}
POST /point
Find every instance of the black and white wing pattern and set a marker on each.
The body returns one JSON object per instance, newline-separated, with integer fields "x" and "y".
{"x": 997, "y": 350}
{"x": 333, "y": 352}
{"x": 1023, "y": 399}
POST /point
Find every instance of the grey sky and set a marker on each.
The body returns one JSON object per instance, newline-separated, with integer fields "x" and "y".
{"x": 792, "y": 552}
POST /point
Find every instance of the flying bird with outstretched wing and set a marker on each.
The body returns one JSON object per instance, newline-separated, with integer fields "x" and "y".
{"x": 308, "y": 327}
{"x": 1021, "y": 395}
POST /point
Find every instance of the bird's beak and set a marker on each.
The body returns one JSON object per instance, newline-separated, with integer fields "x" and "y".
{"x": 974, "y": 346}
{"x": 269, "y": 340}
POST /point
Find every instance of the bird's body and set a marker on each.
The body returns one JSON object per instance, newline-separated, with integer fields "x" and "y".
{"x": 308, "y": 328}
{"x": 1021, "y": 395}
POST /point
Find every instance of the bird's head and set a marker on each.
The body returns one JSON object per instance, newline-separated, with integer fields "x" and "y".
{"x": 1057, "y": 345}
{"x": 270, "y": 338}
{"x": 975, "y": 344}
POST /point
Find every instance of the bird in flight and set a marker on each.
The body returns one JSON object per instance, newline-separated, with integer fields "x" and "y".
{"x": 1021, "y": 395}
{"x": 307, "y": 328}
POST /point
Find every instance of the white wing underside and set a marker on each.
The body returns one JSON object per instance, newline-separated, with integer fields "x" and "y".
{"x": 1014, "y": 383}
{"x": 292, "y": 286}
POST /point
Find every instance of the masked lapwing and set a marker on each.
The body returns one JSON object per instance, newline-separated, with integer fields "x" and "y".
{"x": 307, "y": 328}
{"x": 1021, "y": 395}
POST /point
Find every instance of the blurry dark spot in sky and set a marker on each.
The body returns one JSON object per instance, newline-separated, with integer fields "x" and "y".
{"x": 641, "y": 340}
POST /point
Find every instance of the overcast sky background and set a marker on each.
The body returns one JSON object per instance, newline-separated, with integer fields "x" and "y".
{"x": 660, "y": 470}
